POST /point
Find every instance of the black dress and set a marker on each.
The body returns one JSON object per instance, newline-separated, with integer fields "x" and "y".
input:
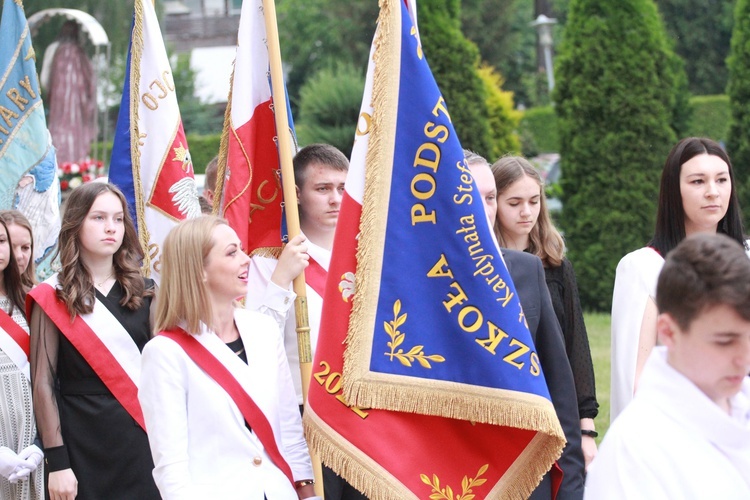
{"x": 108, "y": 451}
{"x": 563, "y": 290}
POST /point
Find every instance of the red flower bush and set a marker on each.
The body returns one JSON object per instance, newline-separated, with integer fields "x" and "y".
{"x": 73, "y": 175}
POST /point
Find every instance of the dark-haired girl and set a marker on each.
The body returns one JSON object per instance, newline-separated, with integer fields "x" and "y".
{"x": 21, "y": 473}
{"x": 697, "y": 194}
{"x": 524, "y": 223}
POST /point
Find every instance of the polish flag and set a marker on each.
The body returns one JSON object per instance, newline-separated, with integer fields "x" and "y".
{"x": 249, "y": 194}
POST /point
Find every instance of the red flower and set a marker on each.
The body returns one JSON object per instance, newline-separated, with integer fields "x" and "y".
{"x": 64, "y": 185}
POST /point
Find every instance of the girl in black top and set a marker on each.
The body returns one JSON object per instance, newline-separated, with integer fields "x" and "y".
{"x": 523, "y": 223}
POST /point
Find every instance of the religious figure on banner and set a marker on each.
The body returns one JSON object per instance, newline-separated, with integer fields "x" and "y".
{"x": 70, "y": 81}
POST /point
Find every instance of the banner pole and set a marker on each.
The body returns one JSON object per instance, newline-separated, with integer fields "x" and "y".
{"x": 283, "y": 133}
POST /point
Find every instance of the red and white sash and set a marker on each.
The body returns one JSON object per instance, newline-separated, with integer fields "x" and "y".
{"x": 199, "y": 349}
{"x": 101, "y": 340}
{"x": 14, "y": 341}
{"x": 315, "y": 277}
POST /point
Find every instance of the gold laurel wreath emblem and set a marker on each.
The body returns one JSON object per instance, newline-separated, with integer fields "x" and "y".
{"x": 416, "y": 353}
{"x": 447, "y": 492}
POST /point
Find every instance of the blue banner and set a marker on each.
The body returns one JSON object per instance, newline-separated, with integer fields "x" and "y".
{"x": 447, "y": 309}
{"x": 27, "y": 159}
{"x": 121, "y": 163}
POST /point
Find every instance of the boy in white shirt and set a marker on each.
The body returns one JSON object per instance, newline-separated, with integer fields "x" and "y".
{"x": 686, "y": 434}
{"x": 320, "y": 173}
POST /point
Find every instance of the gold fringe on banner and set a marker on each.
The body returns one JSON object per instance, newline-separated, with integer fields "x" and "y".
{"x": 372, "y": 479}
{"x": 136, "y": 52}
{"x": 221, "y": 166}
{"x": 272, "y": 252}
{"x": 525, "y": 474}
{"x": 349, "y": 462}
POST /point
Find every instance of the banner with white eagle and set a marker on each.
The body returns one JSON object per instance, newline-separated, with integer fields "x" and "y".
{"x": 150, "y": 157}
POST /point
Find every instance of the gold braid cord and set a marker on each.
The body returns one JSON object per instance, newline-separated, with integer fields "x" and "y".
{"x": 221, "y": 167}
{"x": 135, "y": 157}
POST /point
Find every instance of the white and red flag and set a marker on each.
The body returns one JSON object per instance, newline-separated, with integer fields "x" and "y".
{"x": 151, "y": 162}
{"x": 248, "y": 184}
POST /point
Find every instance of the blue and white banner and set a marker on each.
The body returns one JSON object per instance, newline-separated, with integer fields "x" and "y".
{"x": 28, "y": 168}
{"x": 151, "y": 161}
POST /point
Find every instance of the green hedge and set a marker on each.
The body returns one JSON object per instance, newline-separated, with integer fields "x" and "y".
{"x": 539, "y": 131}
{"x": 202, "y": 148}
{"x": 710, "y": 118}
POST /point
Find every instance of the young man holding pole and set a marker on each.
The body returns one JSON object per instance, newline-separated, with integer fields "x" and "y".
{"x": 320, "y": 172}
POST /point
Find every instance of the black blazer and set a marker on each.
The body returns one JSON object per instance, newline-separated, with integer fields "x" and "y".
{"x": 527, "y": 273}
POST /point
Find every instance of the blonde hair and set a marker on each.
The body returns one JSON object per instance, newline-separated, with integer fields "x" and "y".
{"x": 183, "y": 295}
{"x": 545, "y": 240}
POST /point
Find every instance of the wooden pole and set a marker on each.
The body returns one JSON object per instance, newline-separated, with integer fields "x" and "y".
{"x": 290, "y": 207}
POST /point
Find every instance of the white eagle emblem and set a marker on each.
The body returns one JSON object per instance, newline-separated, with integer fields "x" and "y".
{"x": 185, "y": 197}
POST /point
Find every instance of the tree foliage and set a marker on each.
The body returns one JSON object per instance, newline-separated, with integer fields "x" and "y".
{"x": 505, "y": 40}
{"x": 738, "y": 144}
{"x": 454, "y": 62}
{"x": 329, "y": 107}
{"x": 197, "y": 117}
{"x": 701, "y": 30}
{"x": 621, "y": 99}
{"x": 503, "y": 119}
{"x": 315, "y": 34}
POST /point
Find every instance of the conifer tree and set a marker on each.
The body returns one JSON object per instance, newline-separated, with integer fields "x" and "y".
{"x": 621, "y": 102}
{"x": 738, "y": 143}
{"x": 454, "y": 61}
{"x": 329, "y": 107}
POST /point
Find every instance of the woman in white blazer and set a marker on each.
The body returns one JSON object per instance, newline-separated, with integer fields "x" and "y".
{"x": 202, "y": 445}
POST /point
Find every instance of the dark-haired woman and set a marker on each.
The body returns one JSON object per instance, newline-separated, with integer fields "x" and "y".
{"x": 21, "y": 473}
{"x": 697, "y": 195}
{"x": 88, "y": 325}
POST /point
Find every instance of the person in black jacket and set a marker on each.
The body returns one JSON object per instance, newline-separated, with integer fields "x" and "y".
{"x": 524, "y": 223}
{"x": 527, "y": 273}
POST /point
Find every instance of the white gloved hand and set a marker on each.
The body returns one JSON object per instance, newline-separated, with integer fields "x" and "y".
{"x": 32, "y": 457}
{"x": 21, "y": 473}
{"x": 9, "y": 461}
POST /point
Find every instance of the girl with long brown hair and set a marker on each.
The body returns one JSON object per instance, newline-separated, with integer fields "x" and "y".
{"x": 89, "y": 324}
{"x": 22, "y": 236}
{"x": 524, "y": 223}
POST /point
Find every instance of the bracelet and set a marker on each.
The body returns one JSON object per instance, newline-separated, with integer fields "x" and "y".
{"x": 303, "y": 483}
{"x": 589, "y": 433}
